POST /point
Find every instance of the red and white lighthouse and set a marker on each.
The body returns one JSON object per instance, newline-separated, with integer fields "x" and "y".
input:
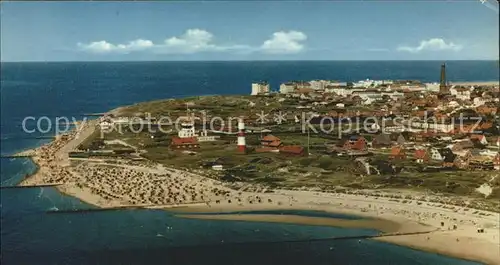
{"x": 241, "y": 136}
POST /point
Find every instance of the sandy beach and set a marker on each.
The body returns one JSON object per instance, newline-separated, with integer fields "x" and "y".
{"x": 462, "y": 242}
{"x": 453, "y": 230}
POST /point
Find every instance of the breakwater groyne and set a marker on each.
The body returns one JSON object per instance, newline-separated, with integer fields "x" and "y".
{"x": 325, "y": 239}
{"x": 31, "y": 186}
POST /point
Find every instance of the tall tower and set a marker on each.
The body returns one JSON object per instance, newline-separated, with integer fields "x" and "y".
{"x": 241, "y": 136}
{"x": 187, "y": 126}
{"x": 443, "y": 87}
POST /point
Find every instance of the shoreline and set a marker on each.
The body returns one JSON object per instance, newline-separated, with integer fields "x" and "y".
{"x": 432, "y": 239}
{"x": 464, "y": 242}
{"x": 457, "y": 244}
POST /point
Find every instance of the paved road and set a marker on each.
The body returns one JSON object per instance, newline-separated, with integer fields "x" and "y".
{"x": 87, "y": 130}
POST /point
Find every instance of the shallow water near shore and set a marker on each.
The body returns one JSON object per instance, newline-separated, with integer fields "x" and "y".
{"x": 31, "y": 236}
{"x": 158, "y": 237}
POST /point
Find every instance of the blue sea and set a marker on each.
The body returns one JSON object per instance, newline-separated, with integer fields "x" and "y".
{"x": 29, "y": 235}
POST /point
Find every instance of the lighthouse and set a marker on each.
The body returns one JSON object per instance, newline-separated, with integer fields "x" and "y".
{"x": 241, "y": 136}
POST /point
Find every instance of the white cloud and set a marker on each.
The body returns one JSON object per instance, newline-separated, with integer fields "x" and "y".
{"x": 198, "y": 40}
{"x": 192, "y": 41}
{"x": 284, "y": 42}
{"x": 106, "y": 47}
{"x": 435, "y": 44}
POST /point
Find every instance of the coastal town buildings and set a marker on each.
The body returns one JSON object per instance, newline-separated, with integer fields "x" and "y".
{"x": 261, "y": 88}
{"x": 479, "y": 101}
{"x": 292, "y": 150}
{"x": 204, "y": 137}
{"x": 287, "y": 88}
{"x": 432, "y": 87}
{"x": 382, "y": 140}
{"x": 271, "y": 141}
{"x": 184, "y": 143}
{"x": 487, "y": 109}
{"x": 374, "y": 94}
{"x": 435, "y": 154}
{"x": 355, "y": 142}
{"x": 106, "y": 124}
{"x": 413, "y": 123}
{"x": 319, "y": 84}
{"x": 187, "y": 129}
{"x": 479, "y": 138}
{"x": 421, "y": 156}
{"x": 372, "y": 83}
{"x": 398, "y": 152}
{"x": 461, "y": 93}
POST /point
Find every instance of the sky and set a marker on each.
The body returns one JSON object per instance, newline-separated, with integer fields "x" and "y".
{"x": 249, "y": 30}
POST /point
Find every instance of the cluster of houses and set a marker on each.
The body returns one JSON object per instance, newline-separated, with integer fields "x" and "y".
{"x": 367, "y": 92}
{"x": 469, "y": 153}
{"x": 261, "y": 88}
{"x": 431, "y": 115}
{"x": 354, "y": 145}
{"x": 348, "y": 88}
{"x": 273, "y": 144}
{"x": 437, "y": 128}
{"x": 188, "y": 138}
{"x": 109, "y": 122}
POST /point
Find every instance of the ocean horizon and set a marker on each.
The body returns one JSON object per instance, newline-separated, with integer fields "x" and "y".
{"x": 53, "y": 89}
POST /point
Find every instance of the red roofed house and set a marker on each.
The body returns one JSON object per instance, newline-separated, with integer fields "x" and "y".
{"x": 184, "y": 143}
{"x": 398, "y": 152}
{"x": 421, "y": 155}
{"x": 295, "y": 150}
{"x": 266, "y": 149}
{"x": 486, "y": 125}
{"x": 487, "y": 110}
{"x": 479, "y": 137}
{"x": 303, "y": 90}
{"x": 360, "y": 144}
{"x": 270, "y": 141}
{"x": 356, "y": 143}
